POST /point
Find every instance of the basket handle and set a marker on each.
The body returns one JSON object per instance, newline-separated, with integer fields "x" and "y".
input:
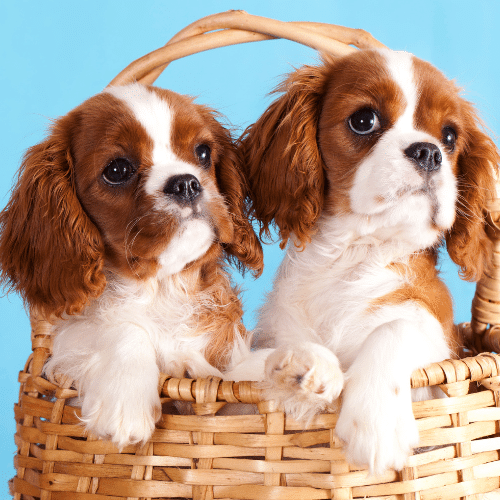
{"x": 235, "y": 27}
{"x": 483, "y": 333}
{"x": 350, "y": 36}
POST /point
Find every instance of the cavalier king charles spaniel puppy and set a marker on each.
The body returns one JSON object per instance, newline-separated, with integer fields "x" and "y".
{"x": 117, "y": 229}
{"x": 368, "y": 164}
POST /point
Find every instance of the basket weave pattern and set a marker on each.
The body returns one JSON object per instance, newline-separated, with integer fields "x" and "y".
{"x": 261, "y": 456}
{"x": 264, "y": 455}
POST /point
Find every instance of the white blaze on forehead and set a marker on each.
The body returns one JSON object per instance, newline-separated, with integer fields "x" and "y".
{"x": 400, "y": 66}
{"x": 152, "y": 112}
{"x": 156, "y": 116}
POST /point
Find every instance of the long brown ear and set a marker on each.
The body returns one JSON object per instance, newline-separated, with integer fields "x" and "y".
{"x": 245, "y": 250}
{"x": 50, "y": 252}
{"x": 282, "y": 159}
{"x": 467, "y": 242}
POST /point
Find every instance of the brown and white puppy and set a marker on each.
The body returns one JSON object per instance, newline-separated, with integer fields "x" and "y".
{"x": 367, "y": 163}
{"x": 118, "y": 227}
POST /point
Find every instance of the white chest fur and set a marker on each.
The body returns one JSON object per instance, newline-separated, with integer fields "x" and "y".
{"x": 328, "y": 290}
{"x": 116, "y": 349}
{"x": 330, "y": 336}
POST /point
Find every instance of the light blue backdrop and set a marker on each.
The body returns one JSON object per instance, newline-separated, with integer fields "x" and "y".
{"x": 55, "y": 54}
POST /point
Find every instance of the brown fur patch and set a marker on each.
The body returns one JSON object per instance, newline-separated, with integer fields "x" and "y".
{"x": 426, "y": 289}
{"x": 221, "y": 319}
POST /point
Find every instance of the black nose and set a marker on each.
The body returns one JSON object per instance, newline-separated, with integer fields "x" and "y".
{"x": 426, "y": 155}
{"x": 184, "y": 188}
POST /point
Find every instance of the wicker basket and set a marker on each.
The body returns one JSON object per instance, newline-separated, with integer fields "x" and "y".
{"x": 266, "y": 455}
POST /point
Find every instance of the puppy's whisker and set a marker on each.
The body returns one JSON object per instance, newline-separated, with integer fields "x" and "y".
{"x": 467, "y": 210}
{"x": 128, "y": 244}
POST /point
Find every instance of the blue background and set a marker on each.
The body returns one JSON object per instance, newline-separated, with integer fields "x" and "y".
{"x": 55, "y": 54}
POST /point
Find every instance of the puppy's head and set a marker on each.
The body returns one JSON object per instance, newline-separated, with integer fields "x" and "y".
{"x": 382, "y": 138}
{"x": 136, "y": 181}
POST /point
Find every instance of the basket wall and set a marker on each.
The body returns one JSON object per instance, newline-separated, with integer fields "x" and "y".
{"x": 261, "y": 456}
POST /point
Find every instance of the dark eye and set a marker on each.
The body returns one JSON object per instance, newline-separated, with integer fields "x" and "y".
{"x": 120, "y": 170}
{"x": 449, "y": 138}
{"x": 363, "y": 122}
{"x": 202, "y": 152}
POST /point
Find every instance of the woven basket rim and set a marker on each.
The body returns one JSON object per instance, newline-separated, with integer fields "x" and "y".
{"x": 470, "y": 369}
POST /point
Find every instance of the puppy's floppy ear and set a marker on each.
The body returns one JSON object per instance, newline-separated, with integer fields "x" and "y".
{"x": 50, "y": 252}
{"x": 282, "y": 160}
{"x": 467, "y": 242}
{"x": 245, "y": 250}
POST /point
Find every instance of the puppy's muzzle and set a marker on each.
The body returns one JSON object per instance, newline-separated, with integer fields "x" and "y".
{"x": 426, "y": 156}
{"x": 184, "y": 189}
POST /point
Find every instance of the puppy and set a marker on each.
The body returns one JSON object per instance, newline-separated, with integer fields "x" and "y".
{"x": 117, "y": 229}
{"x": 368, "y": 164}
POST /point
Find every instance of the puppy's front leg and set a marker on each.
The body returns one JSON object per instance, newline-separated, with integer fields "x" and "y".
{"x": 376, "y": 420}
{"x": 120, "y": 389}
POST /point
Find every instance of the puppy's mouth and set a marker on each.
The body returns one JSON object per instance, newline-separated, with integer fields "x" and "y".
{"x": 428, "y": 190}
{"x": 407, "y": 191}
{"x": 217, "y": 219}
{"x": 192, "y": 211}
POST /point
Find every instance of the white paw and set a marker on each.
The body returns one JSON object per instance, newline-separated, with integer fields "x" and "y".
{"x": 305, "y": 379}
{"x": 377, "y": 426}
{"x": 122, "y": 415}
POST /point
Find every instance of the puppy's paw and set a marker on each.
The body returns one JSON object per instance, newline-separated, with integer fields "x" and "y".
{"x": 305, "y": 379}
{"x": 125, "y": 417}
{"x": 378, "y": 427}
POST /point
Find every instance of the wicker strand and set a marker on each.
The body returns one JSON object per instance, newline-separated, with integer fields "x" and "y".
{"x": 52, "y": 439}
{"x": 206, "y": 396}
{"x": 24, "y": 447}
